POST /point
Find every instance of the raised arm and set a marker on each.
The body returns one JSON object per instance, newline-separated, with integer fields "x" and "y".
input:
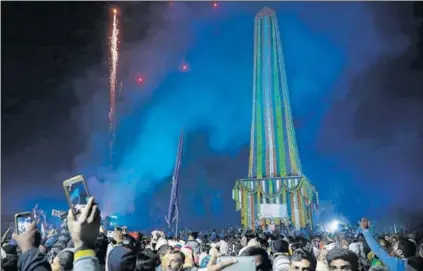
{"x": 391, "y": 262}
{"x": 84, "y": 230}
{"x": 31, "y": 259}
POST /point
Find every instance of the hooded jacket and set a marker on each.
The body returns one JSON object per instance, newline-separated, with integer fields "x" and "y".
{"x": 281, "y": 263}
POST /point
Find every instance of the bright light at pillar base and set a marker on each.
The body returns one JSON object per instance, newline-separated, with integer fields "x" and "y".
{"x": 215, "y": 5}
{"x": 333, "y": 227}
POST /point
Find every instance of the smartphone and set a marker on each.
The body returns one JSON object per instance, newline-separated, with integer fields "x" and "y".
{"x": 76, "y": 192}
{"x": 22, "y": 221}
{"x": 56, "y": 213}
{"x": 245, "y": 263}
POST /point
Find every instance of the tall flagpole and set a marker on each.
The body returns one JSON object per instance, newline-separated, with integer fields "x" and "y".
{"x": 173, "y": 210}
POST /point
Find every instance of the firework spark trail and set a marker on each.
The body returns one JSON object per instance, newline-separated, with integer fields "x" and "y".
{"x": 114, "y": 57}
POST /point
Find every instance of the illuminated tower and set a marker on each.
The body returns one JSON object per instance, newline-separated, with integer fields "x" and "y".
{"x": 276, "y": 188}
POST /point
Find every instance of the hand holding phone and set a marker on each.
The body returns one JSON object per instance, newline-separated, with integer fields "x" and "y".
{"x": 28, "y": 238}
{"x": 85, "y": 228}
{"x": 118, "y": 234}
{"x": 56, "y": 213}
{"x": 22, "y": 222}
{"x": 364, "y": 224}
{"x": 76, "y": 191}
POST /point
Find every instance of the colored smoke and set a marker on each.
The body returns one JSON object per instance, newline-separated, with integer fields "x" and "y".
{"x": 327, "y": 50}
{"x": 353, "y": 94}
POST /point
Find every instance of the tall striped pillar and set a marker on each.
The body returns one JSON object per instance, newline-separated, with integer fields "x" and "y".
{"x": 273, "y": 148}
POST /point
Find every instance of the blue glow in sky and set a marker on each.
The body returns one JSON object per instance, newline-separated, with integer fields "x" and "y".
{"x": 327, "y": 46}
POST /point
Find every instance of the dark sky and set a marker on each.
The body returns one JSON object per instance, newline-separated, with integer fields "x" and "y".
{"x": 43, "y": 45}
{"x": 48, "y": 46}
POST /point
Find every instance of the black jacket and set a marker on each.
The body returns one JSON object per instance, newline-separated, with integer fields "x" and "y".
{"x": 33, "y": 260}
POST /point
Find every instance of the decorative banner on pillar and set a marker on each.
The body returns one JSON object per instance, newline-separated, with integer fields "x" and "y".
{"x": 273, "y": 210}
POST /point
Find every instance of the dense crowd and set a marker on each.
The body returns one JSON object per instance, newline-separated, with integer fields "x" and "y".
{"x": 82, "y": 245}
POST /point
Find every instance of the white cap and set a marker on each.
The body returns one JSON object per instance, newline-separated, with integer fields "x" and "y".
{"x": 161, "y": 242}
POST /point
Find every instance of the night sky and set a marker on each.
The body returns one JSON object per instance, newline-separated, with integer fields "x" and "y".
{"x": 355, "y": 73}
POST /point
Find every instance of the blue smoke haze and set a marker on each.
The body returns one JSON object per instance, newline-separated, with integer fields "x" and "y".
{"x": 327, "y": 47}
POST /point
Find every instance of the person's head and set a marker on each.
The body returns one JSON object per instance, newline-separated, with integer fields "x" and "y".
{"x": 344, "y": 243}
{"x": 138, "y": 239}
{"x": 129, "y": 242}
{"x": 253, "y": 243}
{"x": 394, "y": 240}
{"x": 163, "y": 252}
{"x": 280, "y": 246}
{"x": 361, "y": 238}
{"x": 263, "y": 262}
{"x": 403, "y": 248}
{"x": 316, "y": 242}
{"x": 385, "y": 244}
{"x": 342, "y": 259}
{"x": 205, "y": 248}
{"x": 155, "y": 236}
{"x": 294, "y": 246}
{"x": 193, "y": 236}
{"x": 146, "y": 260}
{"x": 303, "y": 261}
{"x": 63, "y": 261}
{"x": 121, "y": 258}
{"x": 175, "y": 261}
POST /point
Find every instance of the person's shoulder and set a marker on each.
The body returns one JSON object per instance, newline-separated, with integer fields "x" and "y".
{"x": 282, "y": 258}
{"x": 193, "y": 242}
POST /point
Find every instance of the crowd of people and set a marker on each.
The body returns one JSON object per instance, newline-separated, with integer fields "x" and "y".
{"x": 82, "y": 245}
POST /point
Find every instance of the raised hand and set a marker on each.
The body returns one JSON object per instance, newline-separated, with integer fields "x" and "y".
{"x": 118, "y": 235}
{"x": 213, "y": 266}
{"x": 31, "y": 238}
{"x": 85, "y": 228}
{"x": 364, "y": 224}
